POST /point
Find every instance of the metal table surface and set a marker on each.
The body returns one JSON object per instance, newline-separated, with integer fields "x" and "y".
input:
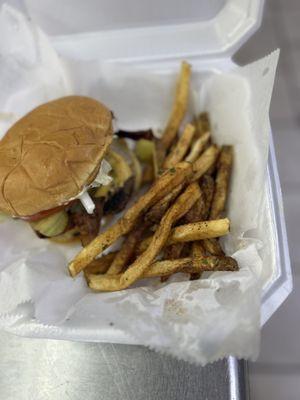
{"x": 39, "y": 369}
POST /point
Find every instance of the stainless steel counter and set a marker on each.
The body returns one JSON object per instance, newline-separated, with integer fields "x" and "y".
{"x": 38, "y": 369}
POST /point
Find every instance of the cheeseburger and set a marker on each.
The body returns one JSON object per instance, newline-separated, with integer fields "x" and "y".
{"x": 61, "y": 172}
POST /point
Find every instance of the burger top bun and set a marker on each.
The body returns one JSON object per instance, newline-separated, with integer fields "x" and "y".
{"x": 52, "y": 153}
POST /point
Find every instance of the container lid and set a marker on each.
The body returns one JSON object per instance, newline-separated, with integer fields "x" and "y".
{"x": 148, "y": 30}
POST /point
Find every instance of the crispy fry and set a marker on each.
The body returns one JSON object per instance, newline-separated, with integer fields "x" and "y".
{"x": 198, "y": 147}
{"x": 197, "y": 249}
{"x": 184, "y": 202}
{"x": 203, "y": 123}
{"x": 208, "y": 157}
{"x": 179, "y": 106}
{"x": 172, "y": 253}
{"x": 222, "y": 181}
{"x": 198, "y": 264}
{"x": 213, "y": 247}
{"x": 191, "y": 232}
{"x": 156, "y": 212}
{"x": 165, "y": 268}
{"x": 205, "y": 161}
{"x": 158, "y": 157}
{"x": 159, "y": 189}
{"x": 196, "y": 213}
{"x": 141, "y": 264}
{"x": 162, "y": 186}
{"x": 127, "y": 250}
{"x": 207, "y": 186}
{"x": 180, "y": 149}
{"x": 199, "y": 230}
{"x": 100, "y": 265}
{"x": 148, "y": 174}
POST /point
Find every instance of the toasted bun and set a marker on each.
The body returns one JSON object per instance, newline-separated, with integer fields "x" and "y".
{"x": 49, "y": 155}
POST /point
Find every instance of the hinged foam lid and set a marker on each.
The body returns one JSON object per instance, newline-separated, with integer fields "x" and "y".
{"x": 149, "y": 29}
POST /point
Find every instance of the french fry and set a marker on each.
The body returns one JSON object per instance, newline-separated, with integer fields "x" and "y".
{"x": 166, "y": 182}
{"x": 172, "y": 253}
{"x": 204, "y": 162}
{"x": 197, "y": 251}
{"x": 196, "y": 213}
{"x": 127, "y": 250}
{"x": 100, "y": 265}
{"x": 184, "y": 202}
{"x": 192, "y": 265}
{"x": 166, "y": 268}
{"x": 191, "y": 232}
{"x": 208, "y": 158}
{"x": 199, "y": 230}
{"x": 148, "y": 174}
{"x": 197, "y": 147}
{"x": 213, "y": 247}
{"x": 179, "y": 106}
{"x": 161, "y": 187}
{"x": 158, "y": 157}
{"x": 156, "y": 212}
{"x": 207, "y": 186}
{"x": 141, "y": 264}
{"x": 202, "y": 123}
{"x": 222, "y": 181}
{"x": 181, "y": 147}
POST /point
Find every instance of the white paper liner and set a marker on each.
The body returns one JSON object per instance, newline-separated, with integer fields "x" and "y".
{"x": 199, "y": 321}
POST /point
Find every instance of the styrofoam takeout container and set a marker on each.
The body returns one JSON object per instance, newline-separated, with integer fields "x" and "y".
{"x": 157, "y": 35}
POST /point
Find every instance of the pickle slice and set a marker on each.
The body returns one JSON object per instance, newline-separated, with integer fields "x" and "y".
{"x": 52, "y": 225}
{"x": 144, "y": 150}
{"x": 120, "y": 173}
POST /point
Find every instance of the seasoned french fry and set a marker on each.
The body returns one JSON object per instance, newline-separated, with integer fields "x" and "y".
{"x": 100, "y": 265}
{"x": 207, "y": 186}
{"x": 213, "y": 247}
{"x": 148, "y": 174}
{"x": 205, "y": 161}
{"x": 197, "y": 265}
{"x": 197, "y": 252}
{"x": 199, "y": 230}
{"x": 184, "y": 202}
{"x": 197, "y": 249}
{"x": 158, "y": 157}
{"x": 222, "y": 181}
{"x": 198, "y": 147}
{"x": 191, "y": 232}
{"x": 179, "y": 106}
{"x": 166, "y": 268}
{"x": 161, "y": 187}
{"x": 196, "y": 213}
{"x": 127, "y": 250}
{"x": 172, "y": 253}
{"x": 156, "y": 212}
{"x": 141, "y": 264}
{"x": 203, "y": 123}
{"x": 180, "y": 149}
